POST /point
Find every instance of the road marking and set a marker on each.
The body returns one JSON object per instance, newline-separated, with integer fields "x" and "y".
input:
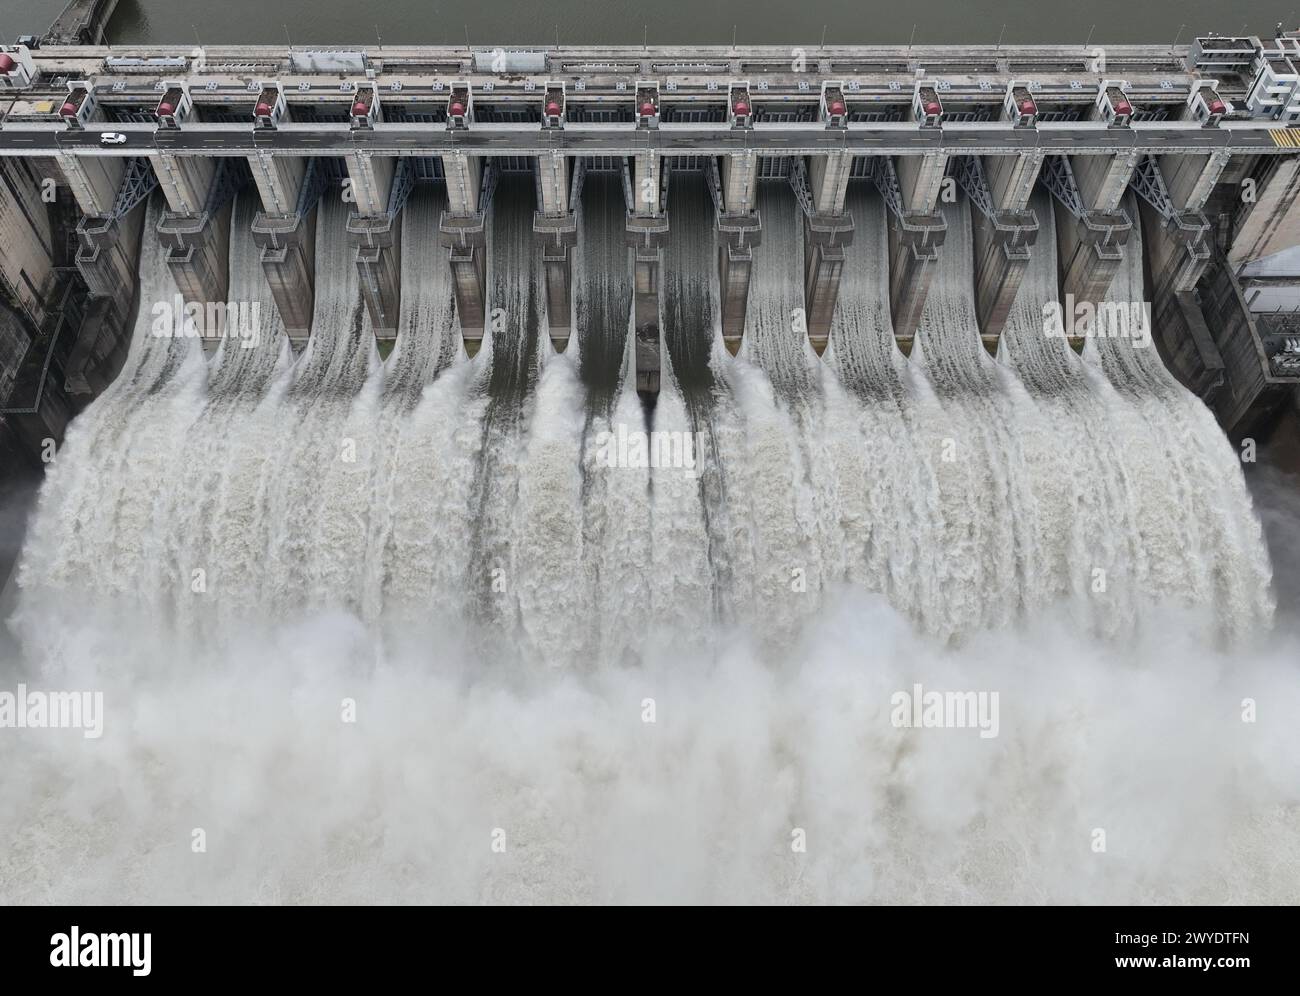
{"x": 1283, "y": 138}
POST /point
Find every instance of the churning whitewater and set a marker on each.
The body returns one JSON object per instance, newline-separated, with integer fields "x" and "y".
{"x": 232, "y": 546}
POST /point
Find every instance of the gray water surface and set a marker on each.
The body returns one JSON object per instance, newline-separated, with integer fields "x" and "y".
{"x": 767, "y": 22}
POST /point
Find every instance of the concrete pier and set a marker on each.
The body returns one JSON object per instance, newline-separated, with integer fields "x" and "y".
{"x": 197, "y": 249}
{"x": 94, "y": 182}
{"x": 285, "y": 232}
{"x": 739, "y": 182}
{"x": 1179, "y": 244}
{"x": 1191, "y": 179}
{"x": 1090, "y": 250}
{"x": 109, "y": 231}
{"x": 1092, "y": 226}
{"x": 375, "y": 231}
{"x": 556, "y": 229}
{"x": 195, "y": 228}
{"x": 823, "y": 266}
{"x": 463, "y": 232}
{"x": 647, "y": 257}
{"x": 185, "y": 181}
{"x": 278, "y": 180}
{"x": 1005, "y": 230}
{"x": 1103, "y": 180}
{"x": 916, "y": 234}
{"x": 646, "y": 233}
{"x": 29, "y": 258}
{"x": 1012, "y": 179}
{"x": 109, "y": 254}
{"x": 828, "y": 230}
{"x": 370, "y": 181}
{"x": 378, "y": 242}
{"x": 920, "y": 180}
{"x": 914, "y": 245}
{"x": 288, "y": 248}
{"x": 739, "y": 230}
{"x": 1178, "y": 251}
{"x": 1002, "y": 245}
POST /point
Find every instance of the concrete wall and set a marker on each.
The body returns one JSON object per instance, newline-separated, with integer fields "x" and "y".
{"x": 1272, "y": 224}
{"x": 26, "y": 237}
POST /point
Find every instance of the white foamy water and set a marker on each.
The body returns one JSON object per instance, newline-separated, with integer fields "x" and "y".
{"x": 648, "y": 679}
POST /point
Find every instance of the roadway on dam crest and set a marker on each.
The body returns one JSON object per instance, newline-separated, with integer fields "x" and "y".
{"x": 421, "y": 139}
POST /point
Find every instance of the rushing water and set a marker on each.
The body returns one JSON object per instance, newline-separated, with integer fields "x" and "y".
{"x": 648, "y": 676}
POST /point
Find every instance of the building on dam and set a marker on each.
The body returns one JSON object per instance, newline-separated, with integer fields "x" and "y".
{"x": 1207, "y": 136}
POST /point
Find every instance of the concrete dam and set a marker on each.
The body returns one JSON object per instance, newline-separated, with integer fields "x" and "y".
{"x": 533, "y": 474}
{"x": 878, "y": 303}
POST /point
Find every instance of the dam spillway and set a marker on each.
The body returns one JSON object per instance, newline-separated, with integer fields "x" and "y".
{"x": 1202, "y": 133}
{"x": 760, "y": 265}
{"x": 617, "y": 466}
{"x": 970, "y": 491}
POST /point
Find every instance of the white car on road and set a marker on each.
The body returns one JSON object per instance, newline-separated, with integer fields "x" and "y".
{"x": 112, "y": 138}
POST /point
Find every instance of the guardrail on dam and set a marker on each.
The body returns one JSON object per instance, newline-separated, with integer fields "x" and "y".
{"x": 1204, "y": 134}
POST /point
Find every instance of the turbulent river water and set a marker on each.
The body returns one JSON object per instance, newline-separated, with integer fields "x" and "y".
{"x": 359, "y": 620}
